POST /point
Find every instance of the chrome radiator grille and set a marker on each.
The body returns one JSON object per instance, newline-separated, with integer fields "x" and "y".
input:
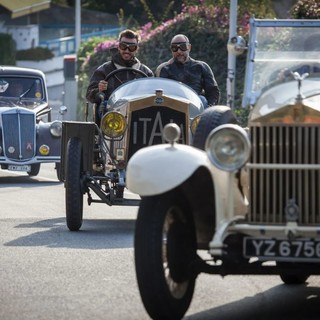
{"x": 18, "y": 134}
{"x": 283, "y": 171}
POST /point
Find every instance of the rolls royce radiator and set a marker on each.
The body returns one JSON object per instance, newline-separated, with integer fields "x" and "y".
{"x": 283, "y": 172}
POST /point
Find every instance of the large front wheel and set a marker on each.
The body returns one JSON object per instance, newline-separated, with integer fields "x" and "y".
{"x": 74, "y": 195}
{"x": 165, "y": 246}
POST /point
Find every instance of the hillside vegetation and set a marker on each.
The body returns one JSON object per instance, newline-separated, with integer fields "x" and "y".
{"x": 207, "y": 27}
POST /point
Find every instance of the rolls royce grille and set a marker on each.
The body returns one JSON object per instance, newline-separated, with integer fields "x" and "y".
{"x": 19, "y": 135}
{"x": 284, "y": 173}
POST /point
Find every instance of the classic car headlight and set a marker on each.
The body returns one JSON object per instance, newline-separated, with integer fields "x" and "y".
{"x": 228, "y": 147}
{"x": 171, "y": 132}
{"x": 56, "y": 128}
{"x": 194, "y": 123}
{"x": 113, "y": 124}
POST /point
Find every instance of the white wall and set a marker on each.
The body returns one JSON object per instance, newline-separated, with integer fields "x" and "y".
{"x": 53, "y": 69}
{"x": 26, "y": 37}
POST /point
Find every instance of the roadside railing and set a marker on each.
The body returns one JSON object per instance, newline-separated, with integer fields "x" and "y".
{"x": 67, "y": 45}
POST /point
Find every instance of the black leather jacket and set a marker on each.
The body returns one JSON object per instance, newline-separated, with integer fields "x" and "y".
{"x": 115, "y": 81}
{"x": 194, "y": 73}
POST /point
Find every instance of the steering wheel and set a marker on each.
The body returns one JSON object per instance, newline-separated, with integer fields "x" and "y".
{"x": 114, "y": 72}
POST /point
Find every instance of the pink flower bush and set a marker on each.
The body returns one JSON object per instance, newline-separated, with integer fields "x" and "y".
{"x": 211, "y": 17}
{"x": 198, "y": 18}
{"x": 106, "y": 45}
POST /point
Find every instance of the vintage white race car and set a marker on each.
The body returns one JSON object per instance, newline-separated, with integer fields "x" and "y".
{"x": 248, "y": 197}
{"x": 95, "y": 155}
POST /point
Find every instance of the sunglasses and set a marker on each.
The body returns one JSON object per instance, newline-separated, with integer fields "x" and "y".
{"x": 182, "y": 46}
{"x": 131, "y": 46}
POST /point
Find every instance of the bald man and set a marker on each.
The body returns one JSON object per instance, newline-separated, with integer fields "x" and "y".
{"x": 194, "y": 73}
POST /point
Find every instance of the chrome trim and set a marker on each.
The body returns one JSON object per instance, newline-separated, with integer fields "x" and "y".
{"x": 284, "y": 166}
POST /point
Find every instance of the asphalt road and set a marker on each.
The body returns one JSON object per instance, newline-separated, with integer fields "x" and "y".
{"x": 49, "y": 273}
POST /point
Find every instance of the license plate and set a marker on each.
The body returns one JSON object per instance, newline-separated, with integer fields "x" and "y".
{"x": 276, "y": 249}
{"x": 26, "y": 168}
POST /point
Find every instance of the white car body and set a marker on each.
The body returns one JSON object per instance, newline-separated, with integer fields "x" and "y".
{"x": 253, "y": 195}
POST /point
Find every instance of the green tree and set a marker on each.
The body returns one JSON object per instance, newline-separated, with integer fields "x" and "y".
{"x": 8, "y": 49}
{"x": 206, "y": 23}
{"x": 207, "y": 29}
{"x": 141, "y": 10}
{"x": 306, "y": 9}
{"x": 61, "y": 2}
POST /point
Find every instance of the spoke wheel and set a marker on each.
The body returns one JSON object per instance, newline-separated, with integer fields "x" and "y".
{"x": 73, "y": 189}
{"x": 165, "y": 245}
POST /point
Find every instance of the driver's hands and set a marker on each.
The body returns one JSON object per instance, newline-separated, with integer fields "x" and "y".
{"x": 102, "y": 85}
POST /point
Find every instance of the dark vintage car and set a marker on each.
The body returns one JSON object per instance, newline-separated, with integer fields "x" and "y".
{"x": 248, "y": 202}
{"x": 28, "y": 137}
{"x": 95, "y": 155}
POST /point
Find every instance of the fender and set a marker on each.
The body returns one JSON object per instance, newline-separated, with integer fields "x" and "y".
{"x": 160, "y": 168}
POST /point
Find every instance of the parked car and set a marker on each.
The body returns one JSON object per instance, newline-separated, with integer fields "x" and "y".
{"x": 240, "y": 200}
{"x": 28, "y": 137}
{"x": 95, "y": 155}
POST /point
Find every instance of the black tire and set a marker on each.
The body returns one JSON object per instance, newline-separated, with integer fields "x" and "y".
{"x": 211, "y": 118}
{"x": 57, "y": 167}
{"x": 165, "y": 245}
{"x": 74, "y": 195}
{"x": 35, "y": 168}
{"x": 294, "y": 278}
{"x": 291, "y": 278}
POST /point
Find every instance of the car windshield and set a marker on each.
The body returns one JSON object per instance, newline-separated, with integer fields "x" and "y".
{"x": 27, "y": 92}
{"x": 277, "y": 49}
{"x": 147, "y": 86}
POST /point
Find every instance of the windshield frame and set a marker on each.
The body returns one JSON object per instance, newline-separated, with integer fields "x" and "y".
{"x": 276, "y": 47}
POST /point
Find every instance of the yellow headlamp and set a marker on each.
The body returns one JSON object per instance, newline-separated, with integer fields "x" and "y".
{"x": 113, "y": 124}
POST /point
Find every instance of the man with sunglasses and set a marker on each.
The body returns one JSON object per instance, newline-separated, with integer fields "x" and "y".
{"x": 124, "y": 56}
{"x": 194, "y": 73}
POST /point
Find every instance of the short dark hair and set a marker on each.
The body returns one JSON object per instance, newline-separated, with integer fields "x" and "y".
{"x": 129, "y": 34}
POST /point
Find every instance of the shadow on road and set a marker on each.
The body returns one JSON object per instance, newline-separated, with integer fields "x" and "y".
{"x": 26, "y": 182}
{"x": 283, "y": 302}
{"x": 98, "y": 234}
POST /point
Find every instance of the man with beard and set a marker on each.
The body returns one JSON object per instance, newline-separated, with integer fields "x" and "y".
{"x": 123, "y": 57}
{"x": 194, "y": 73}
